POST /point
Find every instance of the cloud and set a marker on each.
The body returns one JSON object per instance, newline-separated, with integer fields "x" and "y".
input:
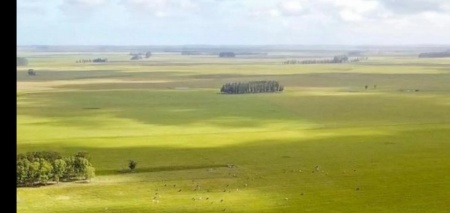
{"x": 30, "y": 7}
{"x": 291, "y": 8}
{"x": 30, "y": 10}
{"x": 162, "y": 8}
{"x": 287, "y": 8}
{"x": 264, "y": 12}
{"x": 84, "y": 3}
{"x": 82, "y": 10}
{"x": 228, "y": 21}
{"x": 414, "y": 6}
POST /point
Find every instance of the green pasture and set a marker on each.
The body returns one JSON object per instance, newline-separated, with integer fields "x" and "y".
{"x": 325, "y": 144}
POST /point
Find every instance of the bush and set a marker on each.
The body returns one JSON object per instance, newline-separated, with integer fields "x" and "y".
{"x": 132, "y": 165}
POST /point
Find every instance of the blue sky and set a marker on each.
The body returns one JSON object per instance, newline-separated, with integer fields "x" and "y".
{"x": 232, "y": 22}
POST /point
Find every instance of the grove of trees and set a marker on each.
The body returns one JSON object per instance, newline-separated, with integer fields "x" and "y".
{"x": 38, "y": 168}
{"x": 140, "y": 55}
{"x": 100, "y": 60}
{"x": 251, "y": 87}
{"x": 136, "y": 57}
{"x": 95, "y": 60}
{"x": 335, "y": 60}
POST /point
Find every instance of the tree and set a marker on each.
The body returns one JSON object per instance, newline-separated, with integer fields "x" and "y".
{"x": 77, "y": 166}
{"x": 340, "y": 59}
{"x": 132, "y": 165}
{"x": 33, "y": 173}
{"x": 83, "y": 155}
{"x": 22, "y": 168}
{"x": 59, "y": 168}
{"x": 148, "y": 54}
{"x": 45, "y": 171}
{"x": 80, "y": 166}
{"x": 69, "y": 173}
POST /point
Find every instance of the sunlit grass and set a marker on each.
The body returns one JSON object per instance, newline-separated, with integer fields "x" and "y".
{"x": 325, "y": 144}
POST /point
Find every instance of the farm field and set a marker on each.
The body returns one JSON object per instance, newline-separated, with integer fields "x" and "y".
{"x": 325, "y": 144}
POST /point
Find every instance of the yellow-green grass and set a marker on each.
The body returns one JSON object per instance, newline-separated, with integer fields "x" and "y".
{"x": 384, "y": 149}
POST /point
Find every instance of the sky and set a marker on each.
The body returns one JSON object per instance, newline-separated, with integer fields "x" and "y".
{"x": 233, "y": 22}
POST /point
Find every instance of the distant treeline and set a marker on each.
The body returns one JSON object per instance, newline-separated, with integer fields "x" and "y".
{"x": 21, "y": 61}
{"x": 227, "y": 55}
{"x": 96, "y": 60}
{"x": 335, "y": 60}
{"x": 140, "y": 55}
{"x": 223, "y": 53}
{"x": 251, "y": 87}
{"x": 37, "y": 168}
{"x": 435, "y": 54}
{"x": 197, "y": 53}
{"x": 355, "y": 53}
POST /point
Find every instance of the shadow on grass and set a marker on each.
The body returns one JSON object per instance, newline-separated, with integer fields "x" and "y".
{"x": 342, "y": 79}
{"x": 157, "y": 169}
{"x": 54, "y": 183}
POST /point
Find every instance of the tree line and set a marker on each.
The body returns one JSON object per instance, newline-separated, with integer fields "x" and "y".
{"x": 435, "y": 54}
{"x": 95, "y": 60}
{"x": 251, "y": 87}
{"x": 335, "y": 60}
{"x": 38, "y": 168}
{"x": 227, "y": 55}
{"x": 140, "y": 55}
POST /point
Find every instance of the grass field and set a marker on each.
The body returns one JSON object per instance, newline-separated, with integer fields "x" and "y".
{"x": 326, "y": 144}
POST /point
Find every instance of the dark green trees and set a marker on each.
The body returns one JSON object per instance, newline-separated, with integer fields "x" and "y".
{"x": 136, "y": 57}
{"x": 251, "y": 87}
{"x": 35, "y": 168}
{"x": 140, "y": 55}
{"x": 100, "y": 60}
{"x": 96, "y": 60}
{"x": 227, "y": 54}
{"x": 339, "y": 59}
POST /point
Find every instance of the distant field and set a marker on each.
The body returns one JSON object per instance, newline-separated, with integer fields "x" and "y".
{"x": 326, "y": 144}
